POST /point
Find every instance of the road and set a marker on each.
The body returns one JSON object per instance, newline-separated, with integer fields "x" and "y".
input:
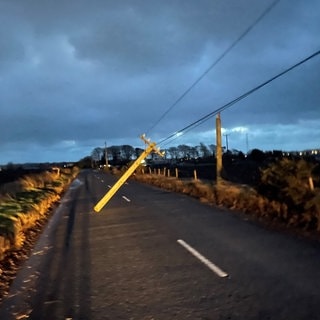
{"x": 151, "y": 254}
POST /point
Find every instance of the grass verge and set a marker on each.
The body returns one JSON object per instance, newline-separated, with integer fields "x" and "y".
{"x": 26, "y": 201}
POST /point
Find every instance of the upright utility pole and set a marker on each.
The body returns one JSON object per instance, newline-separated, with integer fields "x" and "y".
{"x": 227, "y": 141}
{"x": 247, "y": 142}
{"x": 106, "y": 154}
{"x": 218, "y": 148}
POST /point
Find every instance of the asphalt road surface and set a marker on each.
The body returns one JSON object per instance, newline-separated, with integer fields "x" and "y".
{"x": 151, "y": 254}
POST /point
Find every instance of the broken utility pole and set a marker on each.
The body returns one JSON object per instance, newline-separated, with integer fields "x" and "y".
{"x": 151, "y": 148}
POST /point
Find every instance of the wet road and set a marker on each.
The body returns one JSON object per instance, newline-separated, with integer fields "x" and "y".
{"x": 151, "y": 254}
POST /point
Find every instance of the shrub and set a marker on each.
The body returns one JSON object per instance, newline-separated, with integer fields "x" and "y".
{"x": 287, "y": 181}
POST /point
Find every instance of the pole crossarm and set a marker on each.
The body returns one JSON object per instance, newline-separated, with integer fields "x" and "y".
{"x": 155, "y": 149}
{"x": 151, "y": 147}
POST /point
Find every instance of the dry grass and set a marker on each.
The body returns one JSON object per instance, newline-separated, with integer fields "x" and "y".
{"x": 27, "y": 200}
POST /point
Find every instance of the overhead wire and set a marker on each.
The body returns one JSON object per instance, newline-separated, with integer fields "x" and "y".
{"x": 206, "y": 117}
{"x": 182, "y": 96}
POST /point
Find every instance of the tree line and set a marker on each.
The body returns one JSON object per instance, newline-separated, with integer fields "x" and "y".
{"x": 122, "y": 154}
{"x": 125, "y": 153}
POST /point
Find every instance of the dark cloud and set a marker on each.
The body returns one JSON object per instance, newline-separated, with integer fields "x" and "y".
{"x": 75, "y": 73}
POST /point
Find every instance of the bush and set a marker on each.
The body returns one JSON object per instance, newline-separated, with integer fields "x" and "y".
{"x": 287, "y": 181}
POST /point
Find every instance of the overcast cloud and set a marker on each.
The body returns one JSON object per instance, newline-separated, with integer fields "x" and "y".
{"x": 74, "y": 74}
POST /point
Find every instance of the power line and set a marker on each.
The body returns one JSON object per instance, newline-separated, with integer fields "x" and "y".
{"x": 215, "y": 63}
{"x": 203, "y": 119}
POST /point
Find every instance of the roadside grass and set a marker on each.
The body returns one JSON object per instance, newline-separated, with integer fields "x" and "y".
{"x": 242, "y": 198}
{"x": 27, "y": 200}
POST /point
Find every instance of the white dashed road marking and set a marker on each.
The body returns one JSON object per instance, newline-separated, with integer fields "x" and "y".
{"x": 125, "y": 198}
{"x": 203, "y": 259}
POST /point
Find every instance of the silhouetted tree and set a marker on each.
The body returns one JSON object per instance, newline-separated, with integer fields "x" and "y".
{"x": 184, "y": 151}
{"x": 194, "y": 153}
{"x": 115, "y": 153}
{"x": 241, "y": 156}
{"x": 212, "y": 148}
{"x": 96, "y": 155}
{"x": 137, "y": 152}
{"x": 288, "y": 181}
{"x": 256, "y": 155}
{"x": 173, "y": 152}
{"x": 204, "y": 151}
{"x": 85, "y": 162}
{"x": 127, "y": 152}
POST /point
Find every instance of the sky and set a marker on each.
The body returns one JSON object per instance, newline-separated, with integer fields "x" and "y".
{"x": 76, "y": 74}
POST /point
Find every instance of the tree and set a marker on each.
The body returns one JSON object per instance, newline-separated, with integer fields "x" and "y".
{"x": 212, "y": 148}
{"x": 204, "y": 151}
{"x": 173, "y": 152}
{"x": 194, "y": 153}
{"x": 10, "y": 166}
{"x": 256, "y": 155}
{"x": 96, "y": 155}
{"x": 184, "y": 151}
{"x": 127, "y": 151}
{"x": 138, "y": 152}
{"x": 115, "y": 152}
{"x": 288, "y": 181}
{"x": 85, "y": 162}
{"x": 241, "y": 156}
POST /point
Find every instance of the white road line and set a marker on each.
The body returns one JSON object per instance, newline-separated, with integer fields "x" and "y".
{"x": 109, "y": 186}
{"x": 125, "y": 198}
{"x": 203, "y": 259}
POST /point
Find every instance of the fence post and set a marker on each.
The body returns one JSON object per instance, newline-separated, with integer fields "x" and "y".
{"x": 195, "y": 174}
{"x": 311, "y": 184}
{"x": 177, "y": 173}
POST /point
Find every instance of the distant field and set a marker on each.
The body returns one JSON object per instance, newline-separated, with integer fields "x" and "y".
{"x": 14, "y": 174}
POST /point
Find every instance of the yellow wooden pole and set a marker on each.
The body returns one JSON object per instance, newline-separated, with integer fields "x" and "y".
{"x": 195, "y": 174}
{"x": 218, "y": 149}
{"x": 311, "y": 185}
{"x": 126, "y": 175}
